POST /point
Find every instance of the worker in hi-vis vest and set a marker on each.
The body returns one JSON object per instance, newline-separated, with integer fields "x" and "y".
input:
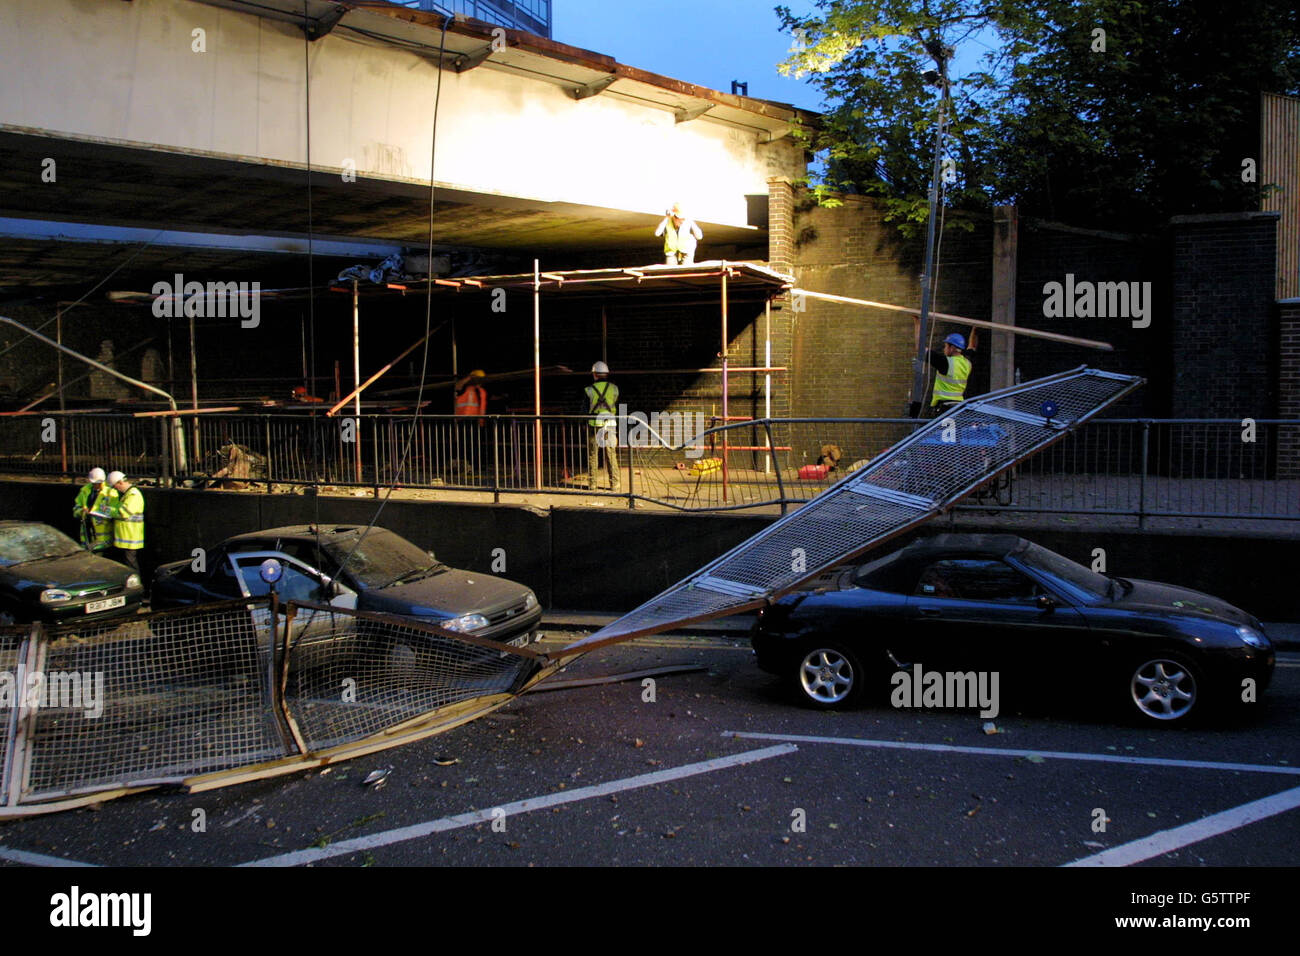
{"x": 128, "y": 520}
{"x": 471, "y": 397}
{"x": 680, "y": 235}
{"x": 951, "y": 373}
{"x": 92, "y": 508}
{"x": 602, "y": 427}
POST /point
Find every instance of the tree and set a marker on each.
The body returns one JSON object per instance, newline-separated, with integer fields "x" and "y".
{"x": 1120, "y": 129}
{"x": 882, "y": 67}
{"x": 1132, "y": 112}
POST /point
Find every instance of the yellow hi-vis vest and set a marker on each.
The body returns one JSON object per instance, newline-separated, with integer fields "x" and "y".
{"x": 96, "y": 532}
{"x": 128, "y": 520}
{"x": 952, "y": 387}
{"x": 602, "y": 397}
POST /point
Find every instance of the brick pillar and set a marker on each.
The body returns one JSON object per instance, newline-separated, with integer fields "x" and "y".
{"x": 780, "y": 256}
{"x": 1288, "y": 398}
{"x": 780, "y": 225}
{"x": 1001, "y": 349}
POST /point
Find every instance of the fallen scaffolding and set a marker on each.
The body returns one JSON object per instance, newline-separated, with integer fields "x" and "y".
{"x": 905, "y": 486}
{"x": 248, "y": 689}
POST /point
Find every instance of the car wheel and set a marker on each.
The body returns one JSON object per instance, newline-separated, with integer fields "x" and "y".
{"x": 827, "y": 676}
{"x": 1164, "y": 689}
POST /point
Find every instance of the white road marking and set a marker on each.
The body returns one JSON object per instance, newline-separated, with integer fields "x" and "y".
{"x": 1003, "y": 752}
{"x": 36, "y": 859}
{"x": 418, "y": 830}
{"x": 1166, "y": 841}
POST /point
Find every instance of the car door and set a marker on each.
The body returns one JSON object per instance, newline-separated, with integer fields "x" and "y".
{"x": 298, "y": 582}
{"x": 980, "y": 613}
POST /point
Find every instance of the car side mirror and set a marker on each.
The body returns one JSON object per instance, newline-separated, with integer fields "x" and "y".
{"x": 1045, "y": 602}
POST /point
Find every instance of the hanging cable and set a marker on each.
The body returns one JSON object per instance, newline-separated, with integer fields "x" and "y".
{"x": 428, "y": 308}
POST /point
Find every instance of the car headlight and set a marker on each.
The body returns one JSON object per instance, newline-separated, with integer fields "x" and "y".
{"x": 1252, "y": 637}
{"x": 133, "y": 582}
{"x": 464, "y": 623}
{"x": 530, "y": 602}
{"x": 54, "y": 596}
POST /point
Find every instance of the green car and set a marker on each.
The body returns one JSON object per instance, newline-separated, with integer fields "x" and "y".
{"x": 46, "y": 576}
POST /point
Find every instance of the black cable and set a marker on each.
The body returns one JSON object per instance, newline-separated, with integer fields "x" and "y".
{"x": 428, "y": 310}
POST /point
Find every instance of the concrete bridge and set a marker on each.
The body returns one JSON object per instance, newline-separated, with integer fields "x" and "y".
{"x": 192, "y": 127}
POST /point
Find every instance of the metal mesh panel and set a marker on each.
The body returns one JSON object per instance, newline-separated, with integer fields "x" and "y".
{"x": 910, "y": 482}
{"x": 167, "y": 697}
{"x": 149, "y": 699}
{"x": 11, "y": 646}
{"x": 353, "y": 676}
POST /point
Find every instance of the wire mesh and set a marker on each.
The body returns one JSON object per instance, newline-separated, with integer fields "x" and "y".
{"x": 353, "y": 676}
{"x": 151, "y": 698}
{"x": 166, "y": 697}
{"x": 910, "y": 482}
{"x": 12, "y": 644}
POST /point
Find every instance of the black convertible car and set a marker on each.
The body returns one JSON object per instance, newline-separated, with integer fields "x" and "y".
{"x": 963, "y": 604}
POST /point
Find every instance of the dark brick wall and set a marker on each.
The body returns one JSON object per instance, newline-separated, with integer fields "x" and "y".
{"x": 849, "y": 361}
{"x": 1288, "y": 400}
{"x": 1223, "y": 315}
{"x": 1048, "y": 253}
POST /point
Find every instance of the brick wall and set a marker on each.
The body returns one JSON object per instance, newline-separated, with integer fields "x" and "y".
{"x": 849, "y": 361}
{"x": 1223, "y": 315}
{"x": 1049, "y": 252}
{"x": 1288, "y": 399}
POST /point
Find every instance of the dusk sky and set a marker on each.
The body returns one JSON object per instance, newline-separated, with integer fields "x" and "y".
{"x": 708, "y": 42}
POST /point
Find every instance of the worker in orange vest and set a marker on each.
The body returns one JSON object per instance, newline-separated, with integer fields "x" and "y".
{"x": 471, "y": 398}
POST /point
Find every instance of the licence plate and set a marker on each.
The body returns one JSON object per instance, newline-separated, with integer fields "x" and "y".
{"x": 94, "y": 607}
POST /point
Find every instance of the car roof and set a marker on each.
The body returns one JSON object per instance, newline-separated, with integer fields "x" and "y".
{"x": 305, "y": 532}
{"x": 1000, "y": 545}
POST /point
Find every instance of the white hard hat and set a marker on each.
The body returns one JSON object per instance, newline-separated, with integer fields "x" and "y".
{"x": 600, "y": 368}
{"x": 115, "y": 476}
{"x": 96, "y": 474}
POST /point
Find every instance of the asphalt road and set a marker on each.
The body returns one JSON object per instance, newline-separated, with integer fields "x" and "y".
{"x": 721, "y": 768}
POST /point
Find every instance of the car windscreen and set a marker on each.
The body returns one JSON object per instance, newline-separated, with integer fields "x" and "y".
{"x": 381, "y": 558}
{"x": 1090, "y": 583}
{"x": 29, "y": 542}
{"x": 885, "y": 574}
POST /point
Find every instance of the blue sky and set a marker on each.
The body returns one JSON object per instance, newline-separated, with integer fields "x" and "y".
{"x": 707, "y": 42}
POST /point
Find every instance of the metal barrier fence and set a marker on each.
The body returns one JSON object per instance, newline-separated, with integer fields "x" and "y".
{"x": 228, "y": 692}
{"x": 1135, "y": 467}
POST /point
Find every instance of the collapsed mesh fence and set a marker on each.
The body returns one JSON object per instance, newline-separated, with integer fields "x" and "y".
{"x": 902, "y": 487}
{"x": 237, "y": 688}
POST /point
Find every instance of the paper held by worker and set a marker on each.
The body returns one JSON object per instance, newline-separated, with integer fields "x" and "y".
{"x": 99, "y": 514}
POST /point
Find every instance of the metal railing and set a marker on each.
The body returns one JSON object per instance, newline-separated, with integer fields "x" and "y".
{"x": 1142, "y": 468}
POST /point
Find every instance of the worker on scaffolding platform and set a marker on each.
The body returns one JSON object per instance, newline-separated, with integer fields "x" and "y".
{"x": 471, "y": 397}
{"x": 951, "y": 373}
{"x": 602, "y": 427}
{"x": 680, "y": 235}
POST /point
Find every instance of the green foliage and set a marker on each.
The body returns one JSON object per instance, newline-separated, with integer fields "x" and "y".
{"x": 1155, "y": 125}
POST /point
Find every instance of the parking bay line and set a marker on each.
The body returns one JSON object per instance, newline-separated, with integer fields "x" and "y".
{"x": 415, "y": 831}
{"x": 36, "y": 859}
{"x": 1166, "y": 841}
{"x": 1001, "y": 752}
